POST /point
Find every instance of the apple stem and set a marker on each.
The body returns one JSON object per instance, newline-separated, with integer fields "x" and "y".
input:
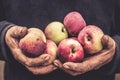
{"x": 73, "y": 50}
{"x": 63, "y": 29}
{"x": 88, "y": 38}
{"x": 37, "y": 39}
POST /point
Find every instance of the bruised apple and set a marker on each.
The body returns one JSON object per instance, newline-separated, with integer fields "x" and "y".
{"x": 74, "y": 23}
{"x": 33, "y": 43}
{"x": 90, "y": 37}
{"x": 56, "y": 31}
{"x": 70, "y": 50}
{"x": 51, "y": 49}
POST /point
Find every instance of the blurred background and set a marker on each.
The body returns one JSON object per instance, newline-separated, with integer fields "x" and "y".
{"x": 2, "y": 69}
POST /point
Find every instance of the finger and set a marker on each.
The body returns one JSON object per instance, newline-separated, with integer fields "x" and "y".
{"x": 57, "y": 63}
{"x": 76, "y": 67}
{"x": 17, "y": 31}
{"x": 70, "y": 65}
{"x": 41, "y": 69}
{"x": 108, "y": 42}
{"x": 109, "y": 47}
{"x": 72, "y": 68}
{"x": 13, "y": 35}
{"x": 40, "y": 60}
{"x": 67, "y": 67}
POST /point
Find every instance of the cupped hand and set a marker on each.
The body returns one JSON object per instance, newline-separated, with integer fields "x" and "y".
{"x": 93, "y": 62}
{"x": 13, "y": 35}
{"x": 41, "y": 69}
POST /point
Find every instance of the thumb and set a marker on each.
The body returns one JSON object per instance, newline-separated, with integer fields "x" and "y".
{"x": 108, "y": 42}
{"x": 71, "y": 66}
{"x": 17, "y": 31}
{"x": 13, "y": 34}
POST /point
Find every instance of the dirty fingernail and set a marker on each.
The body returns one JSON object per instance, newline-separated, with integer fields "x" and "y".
{"x": 56, "y": 64}
{"x": 46, "y": 57}
{"x": 66, "y": 66}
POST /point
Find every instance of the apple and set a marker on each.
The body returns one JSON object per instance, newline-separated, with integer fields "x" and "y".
{"x": 90, "y": 37}
{"x": 51, "y": 49}
{"x": 70, "y": 50}
{"x": 74, "y": 23}
{"x": 33, "y": 43}
{"x": 56, "y": 31}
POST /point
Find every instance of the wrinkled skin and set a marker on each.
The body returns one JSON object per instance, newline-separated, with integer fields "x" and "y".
{"x": 34, "y": 65}
{"x": 91, "y": 63}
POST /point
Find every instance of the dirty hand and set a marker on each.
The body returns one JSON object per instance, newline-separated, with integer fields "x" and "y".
{"x": 93, "y": 62}
{"x": 13, "y": 35}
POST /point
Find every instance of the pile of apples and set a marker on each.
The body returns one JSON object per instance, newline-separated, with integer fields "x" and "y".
{"x": 67, "y": 41}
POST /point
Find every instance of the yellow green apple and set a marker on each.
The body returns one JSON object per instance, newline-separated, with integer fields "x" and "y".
{"x": 56, "y": 31}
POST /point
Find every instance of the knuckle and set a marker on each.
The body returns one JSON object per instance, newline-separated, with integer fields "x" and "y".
{"x": 28, "y": 63}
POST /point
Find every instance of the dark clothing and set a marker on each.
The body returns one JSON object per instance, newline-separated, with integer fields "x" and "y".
{"x": 38, "y": 13}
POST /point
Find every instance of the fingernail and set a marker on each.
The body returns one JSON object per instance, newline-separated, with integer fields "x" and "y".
{"x": 56, "y": 64}
{"x": 46, "y": 57}
{"x": 66, "y": 66}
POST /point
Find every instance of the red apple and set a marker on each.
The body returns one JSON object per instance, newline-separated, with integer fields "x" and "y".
{"x": 51, "y": 49}
{"x": 34, "y": 43}
{"x": 90, "y": 38}
{"x": 74, "y": 23}
{"x": 56, "y": 31}
{"x": 70, "y": 50}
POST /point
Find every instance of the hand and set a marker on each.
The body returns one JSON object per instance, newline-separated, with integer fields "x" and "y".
{"x": 13, "y": 35}
{"x": 91, "y": 63}
{"x": 41, "y": 69}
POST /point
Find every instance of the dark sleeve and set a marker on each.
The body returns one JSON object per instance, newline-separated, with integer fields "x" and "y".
{"x": 4, "y": 50}
{"x": 116, "y": 60}
{"x": 116, "y": 37}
